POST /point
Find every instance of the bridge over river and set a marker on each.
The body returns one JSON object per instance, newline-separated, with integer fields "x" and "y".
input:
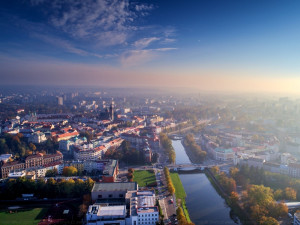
{"x": 194, "y": 166}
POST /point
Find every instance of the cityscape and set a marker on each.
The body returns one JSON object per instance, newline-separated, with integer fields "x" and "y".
{"x": 121, "y": 112}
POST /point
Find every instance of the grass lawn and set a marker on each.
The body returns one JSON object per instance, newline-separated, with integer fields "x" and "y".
{"x": 144, "y": 177}
{"x": 179, "y": 189}
{"x": 180, "y": 193}
{"x": 23, "y": 216}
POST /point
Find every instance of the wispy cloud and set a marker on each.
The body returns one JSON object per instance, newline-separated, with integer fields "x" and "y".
{"x": 168, "y": 40}
{"x": 107, "y": 21}
{"x": 67, "y": 46}
{"x": 145, "y": 42}
{"x": 138, "y": 57}
{"x": 101, "y": 28}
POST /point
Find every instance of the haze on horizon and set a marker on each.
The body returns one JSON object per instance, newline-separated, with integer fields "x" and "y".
{"x": 235, "y": 46}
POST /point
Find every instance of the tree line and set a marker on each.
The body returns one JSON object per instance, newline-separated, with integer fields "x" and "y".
{"x": 257, "y": 200}
{"x": 228, "y": 184}
{"x": 191, "y": 145}
{"x": 285, "y": 187}
{"x": 19, "y": 146}
{"x": 170, "y": 184}
{"x": 167, "y": 146}
{"x": 181, "y": 217}
{"x": 51, "y": 188}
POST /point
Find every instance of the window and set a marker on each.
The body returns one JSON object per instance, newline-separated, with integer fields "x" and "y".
{"x": 99, "y": 196}
{"x": 121, "y": 195}
{"x": 110, "y": 196}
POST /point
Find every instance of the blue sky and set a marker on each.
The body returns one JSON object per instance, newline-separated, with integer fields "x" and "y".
{"x": 208, "y": 45}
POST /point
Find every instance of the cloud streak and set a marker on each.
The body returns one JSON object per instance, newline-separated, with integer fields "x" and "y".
{"x": 67, "y": 46}
{"x": 137, "y": 57}
{"x": 145, "y": 42}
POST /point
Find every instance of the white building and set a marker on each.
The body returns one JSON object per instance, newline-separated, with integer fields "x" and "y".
{"x": 223, "y": 154}
{"x": 37, "y": 137}
{"x": 138, "y": 209}
{"x": 89, "y": 153}
{"x": 102, "y": 215}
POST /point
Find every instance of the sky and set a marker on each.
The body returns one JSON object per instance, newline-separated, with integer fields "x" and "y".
{"x": 207, "y": 45}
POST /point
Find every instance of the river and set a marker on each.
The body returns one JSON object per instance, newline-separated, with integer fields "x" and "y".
{"x": 204, "y": 204}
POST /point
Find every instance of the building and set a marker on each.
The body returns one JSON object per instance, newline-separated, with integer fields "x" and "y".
{"x": 111, "y": 111}
{"x": 5, "y": 157}
{"x": 294, "y": 170}
{"x": 37, "y": 137}
{"x": 110, "y": 171}
{"x": 112, "y": 190}
{"x": 133, "y": 208}
{"x": 88, "y": 153}
{"x": 103, "y": 215}
{"x": 223, "y": 154}
{"x": 254, "y": 162}
{"x": 60, "y": 100}
{"x": 142, "y": 207}
{"x": 32, "y": 161}
{"x": 10, "y": 167}
{"x": 272, "y": 167}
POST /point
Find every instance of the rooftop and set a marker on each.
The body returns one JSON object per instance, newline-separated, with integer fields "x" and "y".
{"x": 130, "y": 186}
{"x": 115, "y": 211}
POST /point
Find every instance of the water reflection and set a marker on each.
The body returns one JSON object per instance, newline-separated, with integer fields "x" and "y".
{"x": 204, "y": 204}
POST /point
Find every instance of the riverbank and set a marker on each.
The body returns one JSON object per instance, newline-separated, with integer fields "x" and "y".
{"x": 204, "y": 204}
{"x": 236, "y": 208}
{"x": 180, "y": 194}
{"x": 192, "y": 156}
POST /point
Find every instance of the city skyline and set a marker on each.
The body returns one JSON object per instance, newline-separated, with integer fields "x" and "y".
{"x": 235, "y": 46}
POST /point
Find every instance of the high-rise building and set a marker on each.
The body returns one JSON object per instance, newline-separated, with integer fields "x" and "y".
{"x": 60, "y": 100}
{"x": 111, "y": 111}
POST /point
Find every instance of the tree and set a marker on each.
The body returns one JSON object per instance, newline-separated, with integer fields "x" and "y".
{"x": 69, "y": 171}
{"x": 234, "y": 198}
{"x": 32, "y": 147}
{"x": 51, "y": 173}
{"x": 277, "y": 210}
{"x": 268, "y": 221}
{"x": 130, "y": 170}
{"x": 233, "y": 171}
{"x": 88, "y": 184}
{"x": 66, "y": 187}
{"x": 215, "y": 170}
{"x": 259, "y": 194}
{"x": 278, "y": 194}
{"x": 51, "y": 188}
{"x": 290, "y": 193}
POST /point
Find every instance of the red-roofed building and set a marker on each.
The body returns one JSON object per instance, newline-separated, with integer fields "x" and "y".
{"x": 32, "y": 161}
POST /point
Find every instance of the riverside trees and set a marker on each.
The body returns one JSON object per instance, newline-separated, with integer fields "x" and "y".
{"x": 257, "y": 199}
{"x": 170, "y": 185}
{"x": 167, "y": 145}
{"x": 191, "y": 145}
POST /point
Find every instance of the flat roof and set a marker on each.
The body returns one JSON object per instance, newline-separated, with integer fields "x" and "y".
{"x": 118, "y": 210}
{"x": 120, "y": 186}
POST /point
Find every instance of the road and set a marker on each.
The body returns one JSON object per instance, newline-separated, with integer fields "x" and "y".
{"x": 167, "y": 201}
